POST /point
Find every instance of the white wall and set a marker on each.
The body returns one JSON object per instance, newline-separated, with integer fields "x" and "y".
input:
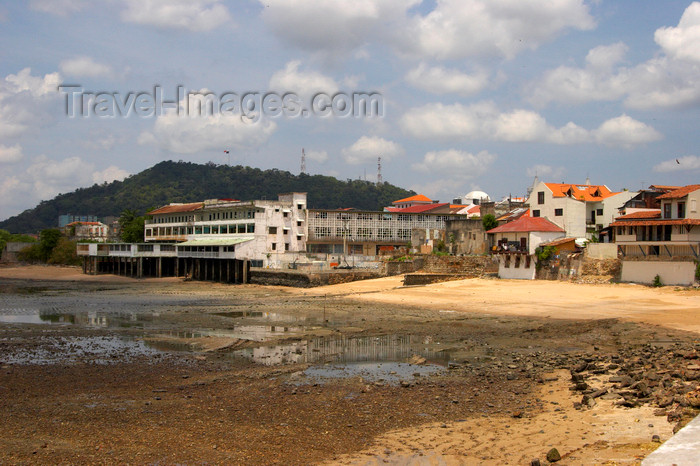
{"x": 671, "y": 273}
{"x": 601, "y": 250}
{"x": 520, "y": 273}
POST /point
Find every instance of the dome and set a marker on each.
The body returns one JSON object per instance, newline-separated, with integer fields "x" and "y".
{"x": 475, "y": 197}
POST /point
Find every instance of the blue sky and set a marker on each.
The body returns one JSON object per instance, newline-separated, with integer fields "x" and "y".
{"x": 477, "y": 94}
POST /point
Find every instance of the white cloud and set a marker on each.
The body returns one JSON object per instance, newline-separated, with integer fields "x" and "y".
{"x": 188, "y": 135}
{"x": 626, "y": 132}
{"x": 668, "y": 80}
{"x": 367, "y": 149}
{"x": 303, "y": 83}
{"x": 319, "y": 156}
{"x": 457, "y": 29}
{"x": 545, "y": 172}
{"x": 192, "y": 15}
{"x": 307, "y": 23}
{"x": 455, "y": 163}
{"x": 58, "y": 7}
{"x": 682, "y": 42}
{"x": 84, "y": 67}
{"x": 109, "y": 174}
{"x": 23, "y": 98}
{"x": 686, "y": 163}
{"x": 485, "y": 121}
{"x": 439, "y": 80}
{"x": 11, "y": 154}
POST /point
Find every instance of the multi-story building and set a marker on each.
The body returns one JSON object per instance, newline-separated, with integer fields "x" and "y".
{"x": 91, "y": 231}
{"x": 582, "y": 210}
{"x": 259, "y": 231}
{"x": 663, "y": 242}
{"x": 368, "y": 232}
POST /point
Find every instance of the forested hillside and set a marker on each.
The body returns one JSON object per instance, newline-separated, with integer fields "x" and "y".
{"x": 190, "y": 182}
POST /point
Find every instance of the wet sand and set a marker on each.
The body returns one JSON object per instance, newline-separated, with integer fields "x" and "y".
{"x": 506, "y": 398}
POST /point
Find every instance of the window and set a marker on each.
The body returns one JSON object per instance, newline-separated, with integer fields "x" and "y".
{"x": 298, "y": 223}
{"x": 298, "y": 237}
{"x": 272, "y": 230}
{"x": 681, "y": 210}
{"x": 300, "y": 206}
{"x": 667, "y": 210}
{"x": 540, "y": 197}
{"x": 535, "y": 213}
{"x": 273, "y": 246}
{"x": 599, "y": 212}
{"x": 286, "y": 246}
{"x": 285, "y": 214}
{"x": 527, "y": 261}
{"x": 250, "y": 228}
{"x": 558, "y": 212}
{"x": 517, "y": 261}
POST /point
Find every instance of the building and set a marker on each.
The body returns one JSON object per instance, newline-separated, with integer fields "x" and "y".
{"x": 646, "y": 199}
{"x": 472, "y": 198}
{"x": 87, "y": 231}
{"x": 582, "y": 210}
{"x": 412, "y": 201}
{"x": 65, "y": 219}
{"x": 663, "y": 242}
{"x": 515, "y": 245}
{"x": 369, "y": 232}
{"x": 465, "y": 236}
{"x": 260, "y": 231}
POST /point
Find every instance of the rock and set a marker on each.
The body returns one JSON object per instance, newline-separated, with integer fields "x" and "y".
{"x": 580, "y": 367}
{"x": 580, "y": 386}
{"x": 553, "y": 455}
{"x": 417, "y": 359}
{"x": 599, "y": 393}
{"x": 535, "y": 462}
{"x": 655, "y": 438}
{"x": 693, "y": 398}
{"x": 588, "y": 401}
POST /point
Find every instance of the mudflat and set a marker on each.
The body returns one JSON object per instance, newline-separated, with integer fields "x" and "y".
{"x": 111, "y": 369}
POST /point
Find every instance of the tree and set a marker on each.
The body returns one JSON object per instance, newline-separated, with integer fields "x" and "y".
{"x": 489, "y": 222}
{"x": 48, "y": 239}
{"x": 132, "y": 226}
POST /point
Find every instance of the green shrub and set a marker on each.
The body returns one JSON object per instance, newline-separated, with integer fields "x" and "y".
{"x": 64, "y": 253}
{"x": 657, "y": 281}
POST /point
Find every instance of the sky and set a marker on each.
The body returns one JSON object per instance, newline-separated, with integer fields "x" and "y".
{"x": 467, "y": 94}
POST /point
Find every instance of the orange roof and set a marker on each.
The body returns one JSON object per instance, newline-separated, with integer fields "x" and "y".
{"x": 416, "y": 198}
{"x": 585, "y": 192}
{"x": 177, "y": 208}
{"x": 416, "y": 209}
{"x": 525, "y": 224}
{"x": 680, "y": 192}
{"x": 640, "y": 215}
{"x": 82, "y": 223}
{"x": 558, "y": 242}
{"x": 664, "y": 187}
{"x": 657, "y": 221}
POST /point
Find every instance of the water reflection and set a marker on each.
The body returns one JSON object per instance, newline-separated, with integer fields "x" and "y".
{"x": 112, "y": 319}
{"x": 344, "y": 350}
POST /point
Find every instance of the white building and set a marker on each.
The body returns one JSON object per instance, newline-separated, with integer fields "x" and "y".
{"x": 581, "y": 210}
{"x": 664, "y": 242}
{"x": 515, "y": 244}
{"x": 260, "y": 231}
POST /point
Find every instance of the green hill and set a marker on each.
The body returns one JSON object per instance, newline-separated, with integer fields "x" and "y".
{"x": 190, "y": 182}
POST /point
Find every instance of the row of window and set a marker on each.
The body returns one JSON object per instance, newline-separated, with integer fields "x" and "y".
{"x": 321, "y": 232}
{"x": 517, "y": 261}
{"x": 202, "y": 230}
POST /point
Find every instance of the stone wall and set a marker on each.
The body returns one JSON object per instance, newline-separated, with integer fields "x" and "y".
{"x": 469, "y": 266}
{"x": 308, "y": 280}
{"x": 466, "y": 236}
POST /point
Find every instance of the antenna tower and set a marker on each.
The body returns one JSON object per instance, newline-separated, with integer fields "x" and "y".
{"x": 303, "y": 161}
{"x": 379, "y": 171}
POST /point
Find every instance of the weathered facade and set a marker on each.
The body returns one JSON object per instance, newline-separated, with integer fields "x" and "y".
{"x": 466, "y": 236}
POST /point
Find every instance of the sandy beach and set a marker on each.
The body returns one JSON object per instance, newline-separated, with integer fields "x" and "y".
{"x": 215, "y": 373}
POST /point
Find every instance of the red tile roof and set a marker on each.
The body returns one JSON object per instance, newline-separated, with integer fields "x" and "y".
{"x": 419, "y": 208}
{"x": 645, "y": 214}
{"x": 525, "y": 224}
{"x": 177, "y": 208}
{"x": 680, "y": 192}
{"x": 657, "y": 221}
{"x": 416, "y": 198}
{"x": 580, "y": 192}
{"x": 662, "y": 187}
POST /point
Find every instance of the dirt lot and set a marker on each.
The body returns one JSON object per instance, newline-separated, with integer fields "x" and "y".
{"x": 114, "y": 370}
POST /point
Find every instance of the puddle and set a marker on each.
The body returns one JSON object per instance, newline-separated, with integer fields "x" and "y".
{"x": 74, "y": 350}
{"x": 84, "y": 319}
{"x": 390, "y": 372}
{"x": 387, "y": 348}
{"x": 273, "y": 317}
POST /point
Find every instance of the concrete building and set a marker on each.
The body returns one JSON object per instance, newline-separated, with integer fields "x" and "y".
{"x": 465, "y": 236}
{"x": 368, "y": 232}
{"x": 65, "y": 219}
{"x": 261, "y": 231}
{"x": 515, "y": 244}
{"x": 90, "y": 231}
{"x": 663, "y": 242}
{"x": 582, "y": 210}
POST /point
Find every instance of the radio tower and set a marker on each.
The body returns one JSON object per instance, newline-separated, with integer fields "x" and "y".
{"x": 303, "y": 161}
{"x": 379, "y": 171}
